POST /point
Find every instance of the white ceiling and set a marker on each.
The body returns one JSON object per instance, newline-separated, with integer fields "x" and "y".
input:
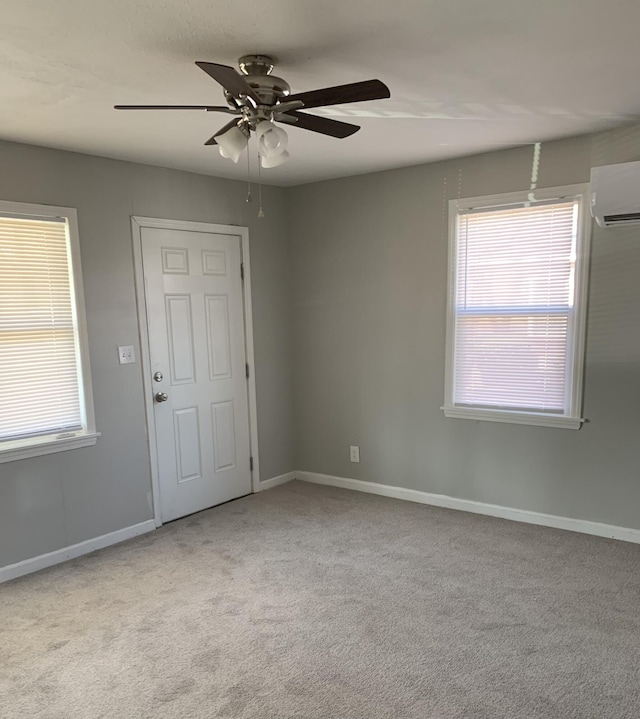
{"x": 465, "y": 75}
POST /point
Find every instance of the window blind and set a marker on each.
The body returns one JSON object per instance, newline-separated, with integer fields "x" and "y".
{"x": 514, "y": 307}
{"x": 39, "y": 354}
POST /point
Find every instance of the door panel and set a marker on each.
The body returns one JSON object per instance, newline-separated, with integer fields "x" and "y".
{"x": 224, "y": 435}
{"x": 186, "y": 432}
{"x": 194, "y": 297}
{"x": 218, "y": 338}
{"x": 180, "y": 337}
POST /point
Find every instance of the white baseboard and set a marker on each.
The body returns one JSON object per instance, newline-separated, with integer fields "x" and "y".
{"x": 275, "y": 481}
{"x": 13, "y": 571}
{"x": 467, "y": 505}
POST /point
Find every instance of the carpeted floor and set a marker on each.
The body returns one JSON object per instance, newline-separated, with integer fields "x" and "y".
{"x": 314, "y": 602}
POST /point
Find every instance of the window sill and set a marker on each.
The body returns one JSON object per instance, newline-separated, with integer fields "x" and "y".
{"x": 530, "y": 418}
{"x": 24, "y": 448}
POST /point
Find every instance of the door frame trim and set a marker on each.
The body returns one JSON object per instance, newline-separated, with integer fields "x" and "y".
{"x": 137, "y": 223}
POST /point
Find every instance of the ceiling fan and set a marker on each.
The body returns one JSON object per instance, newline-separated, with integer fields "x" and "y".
{"x": 259, "y": 99}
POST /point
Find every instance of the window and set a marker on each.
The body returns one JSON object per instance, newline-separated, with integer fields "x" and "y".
{"x": 45, "y": 386}
{"x": 517, "y": 307}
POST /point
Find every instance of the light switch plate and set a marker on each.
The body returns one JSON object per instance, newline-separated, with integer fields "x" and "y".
{"x": 126, "y": 355}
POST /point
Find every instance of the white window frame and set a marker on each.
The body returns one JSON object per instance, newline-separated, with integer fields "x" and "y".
{"x": 571, "y": 419}
{"x": 16, "y": 449}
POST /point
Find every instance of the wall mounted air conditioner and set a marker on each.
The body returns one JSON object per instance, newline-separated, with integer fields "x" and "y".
{"x": 615, "y": 194}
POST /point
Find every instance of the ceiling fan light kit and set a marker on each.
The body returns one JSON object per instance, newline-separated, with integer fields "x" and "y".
{"x": 260, "y": 99}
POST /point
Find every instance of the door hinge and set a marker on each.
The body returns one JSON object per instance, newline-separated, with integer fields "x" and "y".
{"x": 246, "y": 368}
{"x": 251, "y": 463}
{"x": 242, "y": 270}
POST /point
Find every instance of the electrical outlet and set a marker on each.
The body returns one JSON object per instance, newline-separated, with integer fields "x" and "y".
{"x": 126, "y": 355}
{"x": 354, "y": 453}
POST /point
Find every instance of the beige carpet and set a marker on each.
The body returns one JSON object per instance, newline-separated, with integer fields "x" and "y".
{"x": 314, "y": 602}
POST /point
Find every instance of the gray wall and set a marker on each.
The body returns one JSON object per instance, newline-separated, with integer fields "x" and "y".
{"x": 60, "y": 499}
{"x": 369, "y": 290}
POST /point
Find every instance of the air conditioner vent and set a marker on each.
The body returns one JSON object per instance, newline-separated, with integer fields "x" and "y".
{"x": 621, "y": 219}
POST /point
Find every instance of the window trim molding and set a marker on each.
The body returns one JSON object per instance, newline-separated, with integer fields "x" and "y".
{"x": 11, "y": 450}
{"x": 577, "y": 340}
{"x": 47, "y": 444}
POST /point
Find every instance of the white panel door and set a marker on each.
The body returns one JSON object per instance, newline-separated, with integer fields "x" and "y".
{"x": 193, "y": 292}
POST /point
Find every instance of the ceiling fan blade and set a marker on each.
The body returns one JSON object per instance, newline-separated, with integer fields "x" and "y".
{"x": 324, "y": 125}
{"x": 230, "y": 80}
{"x": 221, "y": 131}
{"x": 206, "y": 108}
{"x": 355, "y": 92}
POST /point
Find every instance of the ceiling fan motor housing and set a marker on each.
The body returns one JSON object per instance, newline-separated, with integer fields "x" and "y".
{"x": 257, "y": 70}
{"x": 269, "y": 88}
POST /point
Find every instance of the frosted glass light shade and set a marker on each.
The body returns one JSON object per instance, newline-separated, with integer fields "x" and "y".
{"x": 275, "y": 160}
{"x": 272, "y": 140}
{"x": 232, "y": 143}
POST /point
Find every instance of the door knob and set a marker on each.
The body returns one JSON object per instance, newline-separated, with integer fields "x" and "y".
{"x": 161, "y": 396}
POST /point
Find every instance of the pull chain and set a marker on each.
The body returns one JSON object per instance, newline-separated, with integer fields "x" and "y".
{"x": 260, "y": 210}
{"x": 249, "y": 198}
